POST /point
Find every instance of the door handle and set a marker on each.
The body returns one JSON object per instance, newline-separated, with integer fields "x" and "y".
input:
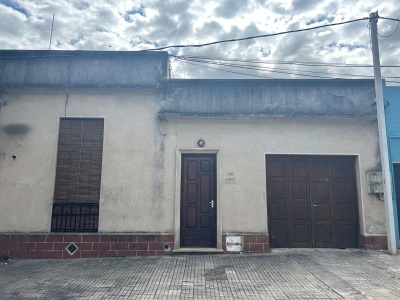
{"x": 315, "y": 205}
{"x": 212, "y": 203}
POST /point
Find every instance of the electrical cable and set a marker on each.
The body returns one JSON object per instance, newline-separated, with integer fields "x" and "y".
{"x": 257, "y": 36}
{"x": 300, "y": 63}
{"x": 277, "y": 70}
{"x": 274, "y": 71}
{"x": 392, "y": 19}
{"x": 386, "y": 36}
{"x": 252, "y": 66}
{"x": 253, "y": 75}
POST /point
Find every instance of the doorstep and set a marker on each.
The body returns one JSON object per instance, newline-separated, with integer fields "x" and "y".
{"x": 198, "y": 250}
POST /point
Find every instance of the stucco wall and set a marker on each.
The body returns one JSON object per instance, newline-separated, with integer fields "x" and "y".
{"x": 139, "y": 161}
{"x": 242, "y": 144}
{"x": 131, "y": 195}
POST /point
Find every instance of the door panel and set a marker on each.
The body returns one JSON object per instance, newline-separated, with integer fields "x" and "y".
{"x": 198, "y": 215}
{"x": 311, "y": 201}
{"x": 396, "y": 186}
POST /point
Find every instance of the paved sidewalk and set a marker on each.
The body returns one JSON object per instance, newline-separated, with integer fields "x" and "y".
{"x": 281, "y": 274}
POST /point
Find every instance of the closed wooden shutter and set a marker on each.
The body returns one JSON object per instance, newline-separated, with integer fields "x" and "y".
{"x": 80, "y": 152}
{"x": 78, "y": 176}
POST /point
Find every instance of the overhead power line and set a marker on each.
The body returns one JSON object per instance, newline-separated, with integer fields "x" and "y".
{"x": 256, "y": 65}
{"x": 306, "y": 73}
{"x": 281, "y": 62}
{"x": 258, "y": 36}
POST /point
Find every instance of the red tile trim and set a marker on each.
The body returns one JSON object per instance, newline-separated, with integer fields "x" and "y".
{"x": 373, "y": 242}
{"x": 52, "y": 246}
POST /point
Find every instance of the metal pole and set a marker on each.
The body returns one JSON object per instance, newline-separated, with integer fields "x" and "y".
{"x": 380, "y": 108}
{"x": 51, "y": 33}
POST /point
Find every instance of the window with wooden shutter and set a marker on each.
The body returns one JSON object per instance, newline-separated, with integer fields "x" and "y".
{"x": 78, "y": 175}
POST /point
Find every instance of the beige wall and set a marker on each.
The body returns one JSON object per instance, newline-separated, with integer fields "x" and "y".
{"x": 138, "y": 191}
{"x": 242, "y": 144}
{"x": 131, "y": 193}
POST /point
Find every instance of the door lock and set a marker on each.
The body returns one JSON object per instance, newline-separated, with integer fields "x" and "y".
{"x": 212, "y": 203}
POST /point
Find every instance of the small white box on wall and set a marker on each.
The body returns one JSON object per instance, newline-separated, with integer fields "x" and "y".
{"x": 234, "y": 243}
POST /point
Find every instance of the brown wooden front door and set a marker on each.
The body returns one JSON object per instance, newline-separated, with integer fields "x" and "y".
{"x": 312, "y": 202}
{"x": 198, "y": 200}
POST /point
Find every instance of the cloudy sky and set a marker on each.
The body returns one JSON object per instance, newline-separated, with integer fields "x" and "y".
{"x": 146, "y": 24}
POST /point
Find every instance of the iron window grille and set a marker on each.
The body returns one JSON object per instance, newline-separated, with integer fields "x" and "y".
{"x": 75, "y": 217}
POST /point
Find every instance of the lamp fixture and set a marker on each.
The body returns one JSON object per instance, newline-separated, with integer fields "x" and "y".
{"x": 201, "y": 143}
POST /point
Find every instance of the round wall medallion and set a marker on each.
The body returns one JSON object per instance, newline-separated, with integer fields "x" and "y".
{"x": 201, "y": 143}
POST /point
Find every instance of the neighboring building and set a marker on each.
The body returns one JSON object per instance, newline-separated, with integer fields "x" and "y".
{"x": 102, "y": 155}
{"x": 391, "y": 95}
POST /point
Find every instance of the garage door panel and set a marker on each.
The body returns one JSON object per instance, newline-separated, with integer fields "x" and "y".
{"x": 278, "y": 211}
{"x": 301, "y": 211}
{"x": 276, "y": 168}
{"x": 341, "y": 169}
{"x": 346, "y": 235}
{"x": 323, "y": 212}
{"x": 323, "y": 235}
{"x": 299, "y": 168}
{"x": 345, "y": 211}
{"x": 312, "y": 201}
{"x": 277, "y": 190}
{"x": 302, "y": 235}
{"x": 343, "y": 190}
{"x": 319, "y": 168}
{"x": 299, "y": 190}
{"x": 279, "y": 233}
{"x": 320, "y": 190}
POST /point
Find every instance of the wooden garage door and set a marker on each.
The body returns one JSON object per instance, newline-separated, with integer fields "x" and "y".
{"x": 312, "y": 202}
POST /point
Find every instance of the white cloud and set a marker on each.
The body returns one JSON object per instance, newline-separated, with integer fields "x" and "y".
{"x": 138, "y": 25}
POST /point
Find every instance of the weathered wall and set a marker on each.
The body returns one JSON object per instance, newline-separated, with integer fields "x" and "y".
{"x": 81, "y": 68}
{"x": 315, "y": 98}
{"x": 131, "y": 195}
{"x": 242, "y": 145}
{"x": 139, "y": 161}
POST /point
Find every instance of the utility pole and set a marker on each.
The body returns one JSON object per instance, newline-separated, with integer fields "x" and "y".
{"x": 51, "y": 32}
{"x": 380, "y": 109}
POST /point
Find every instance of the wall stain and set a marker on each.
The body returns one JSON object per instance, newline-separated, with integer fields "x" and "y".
{"x": 16, "y": 129}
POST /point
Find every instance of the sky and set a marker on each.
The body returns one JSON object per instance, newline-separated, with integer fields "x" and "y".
{"x": 107, "y": 25}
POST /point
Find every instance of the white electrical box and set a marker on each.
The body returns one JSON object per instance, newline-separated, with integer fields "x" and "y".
{"x": 374, "y": 182}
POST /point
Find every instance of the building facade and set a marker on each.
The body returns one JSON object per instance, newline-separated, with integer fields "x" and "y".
{"x": 392, "y": 110}
{"x": 103, "y": 155}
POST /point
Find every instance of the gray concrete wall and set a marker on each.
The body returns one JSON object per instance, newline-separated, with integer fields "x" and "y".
{"x": 81, "y": 68}
{"x": 308, "y": 98}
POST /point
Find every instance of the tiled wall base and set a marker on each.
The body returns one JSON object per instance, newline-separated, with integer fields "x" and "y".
{"x": 252, "y": 243}
{"x": 20, "y": 246}
{"x": 41, "y": 246}
{"x": 373, "y": 242}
